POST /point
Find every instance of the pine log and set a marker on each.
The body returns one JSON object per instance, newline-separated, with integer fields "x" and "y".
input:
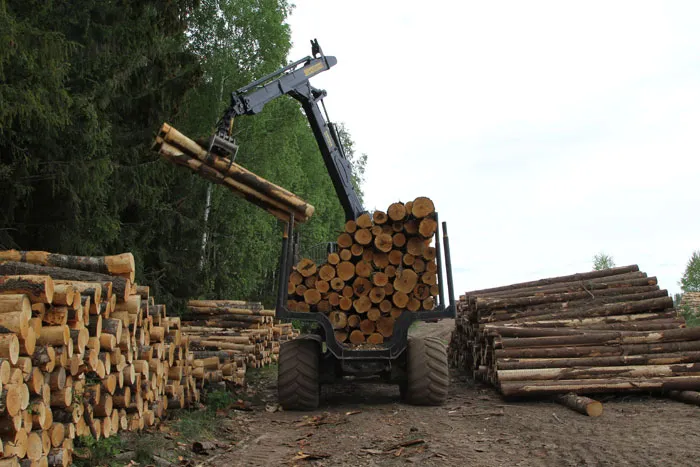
{"x": 583, "y": 362}
{"x": 689, "y": 397}
{"x": 301, "y": 208}
{"x": 592, "y": 386}
{"x": 357, "y": 337}
{"x": 557, "y": 280}
{"x": 116, "y": 265}
{"x": 39, "y": 288}
{"x": 422, "y": 207}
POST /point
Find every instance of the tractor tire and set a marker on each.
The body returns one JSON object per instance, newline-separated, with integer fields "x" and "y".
{"x": 298, "y": 375}
{"x": 427, "y": 371}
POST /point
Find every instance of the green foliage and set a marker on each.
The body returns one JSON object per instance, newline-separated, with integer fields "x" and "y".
{"x": 690, "y": 282}
{"x": 85, "y": 86}
{"x": 94, "y": 453}
{"x": 692, "y": 318}
{"x": 602, "y": 261}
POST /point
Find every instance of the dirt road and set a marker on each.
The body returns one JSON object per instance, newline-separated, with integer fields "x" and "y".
{"x": 365, "y": 425}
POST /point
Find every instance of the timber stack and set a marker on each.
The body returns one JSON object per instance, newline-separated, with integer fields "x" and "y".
{"x": 243, "y": 331}
{"x": 597, "y": 332}
{"x": 177, "y": 148}
{"x": 690, "y": 303}
{"x": 84, "y": 351}
{"x": 385, "y": 265}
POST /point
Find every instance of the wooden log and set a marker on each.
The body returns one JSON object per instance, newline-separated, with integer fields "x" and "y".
{"x": 607, "y": 338}
{"x": 363, "y": 236}
{"x": 338, "y": 319}
{"x": 557, "y": 280}
{"x": 269, "y": 204}
{"x": 38, "y": 288}
{"x": 367, "y": 327}
{"x": 375, "y": 338}
{"x": 9, "y": 347}
{"x": 422, "y": 207}
{"x": 593, "y": 386}
{"x": 385, "y": 326}
{"x": 384, "y": 242}
{"x": 608, "y": 372}
{"x": 243, "y": 177}
{"x": 357, "y": 337}
{"x": 689, "y": 397}
{"x": 427, "y": 227}
{"x": 379, "y": 217}
{"x": 582, "y": 362}
{"x": 396, "y": 212}
{"x": 54, "y": 335}
{"x": 120, "y": 285}
{"x": 116, "y": 265}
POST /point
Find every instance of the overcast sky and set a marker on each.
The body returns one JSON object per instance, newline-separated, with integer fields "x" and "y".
{"x": 545, "y": 132}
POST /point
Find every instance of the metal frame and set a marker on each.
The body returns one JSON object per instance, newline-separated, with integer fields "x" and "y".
{"x": 397, "y": 343}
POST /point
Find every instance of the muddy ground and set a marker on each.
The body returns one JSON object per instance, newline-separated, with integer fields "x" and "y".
{"x": 365, "y": 425}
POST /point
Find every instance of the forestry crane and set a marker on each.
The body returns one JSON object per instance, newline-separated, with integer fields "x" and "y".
{"x": 418, "y": 366}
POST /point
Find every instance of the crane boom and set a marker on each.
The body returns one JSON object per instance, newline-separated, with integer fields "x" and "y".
{"x": 293, "y": 80}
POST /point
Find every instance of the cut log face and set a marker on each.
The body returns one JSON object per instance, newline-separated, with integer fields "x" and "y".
{"x": 333, "y": 258}
{"x": 405, "y": 281}
{"x": 327, "y": 272}
{"x": 306, "y": 267}
{"x": 361, "y": 286}
{"x": 379, "y": 271}
{"x": 397, "y": 212}
{"x": 422, "y": 207}
{"x": 357, "y": 337}
{"x": 384, "y": 242}
{"x": 350, "y": 226}
{"x": 357, "y": 249}
{"x": 379, "y": 217}
{"x": 345, "y": 270}
{"x": 338, "y": 319}
{"x": 364, "y": 221}
{"x": 363, "y": 236}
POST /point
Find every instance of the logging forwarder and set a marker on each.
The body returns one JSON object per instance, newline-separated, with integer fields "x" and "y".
{"x": 417, "y": 366}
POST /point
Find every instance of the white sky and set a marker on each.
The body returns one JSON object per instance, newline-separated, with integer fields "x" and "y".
{"x": 545, "y": 131}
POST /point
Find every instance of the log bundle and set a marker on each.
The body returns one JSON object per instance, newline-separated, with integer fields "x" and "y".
{"x": 84, "y": 351}
{"x": 175, "y": 147}
{"x": 690, "y": 302}
{"x": 236, "y": 332}
{"x": 599, "y": 332}
{"x": 385, "y": 265}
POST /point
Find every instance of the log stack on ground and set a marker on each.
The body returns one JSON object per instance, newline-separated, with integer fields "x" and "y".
{"x": 84, "y": 352}
{"x": 241, "y": 331}
{"x": 597, "y": 332}
{"x": 180, "y": 150}
{"x": 385, "y": 265}
{"x": 690, "y": 303}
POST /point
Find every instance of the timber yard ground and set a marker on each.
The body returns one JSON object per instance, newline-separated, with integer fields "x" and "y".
{"x": 365, "y": 425}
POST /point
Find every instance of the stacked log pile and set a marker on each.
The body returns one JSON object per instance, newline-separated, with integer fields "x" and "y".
{"x": 83, "y": 351}
{"x": 180, "y": 150}
{"x": 690, "y": 302}
{"x": 602, "y": 331}
{"x": 385, "y": 266}
{"x": 234, "y": 331}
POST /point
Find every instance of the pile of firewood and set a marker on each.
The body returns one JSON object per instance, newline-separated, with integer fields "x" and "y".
{"x": 243, "y": 331}
{"x": 83, "y": 351}
{"x": 602, "y": 331}
{"x": 385, "y": 266}
{"x": 180, "y": 150}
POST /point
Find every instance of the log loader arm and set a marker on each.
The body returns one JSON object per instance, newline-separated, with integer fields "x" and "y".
{"x": 293, "y": 80}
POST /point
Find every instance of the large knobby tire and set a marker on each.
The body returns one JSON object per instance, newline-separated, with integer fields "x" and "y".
{"x": 297, "y": 375}
{"x": 427, "y": 372}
